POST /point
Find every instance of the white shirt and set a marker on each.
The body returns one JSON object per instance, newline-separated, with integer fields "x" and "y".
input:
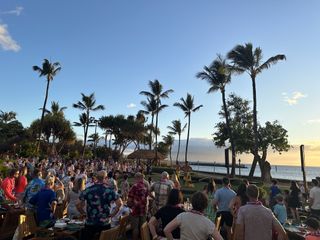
{"x": 315, "y": 195}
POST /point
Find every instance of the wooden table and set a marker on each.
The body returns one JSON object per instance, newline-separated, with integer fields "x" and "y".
{"x": 10, "y": 222}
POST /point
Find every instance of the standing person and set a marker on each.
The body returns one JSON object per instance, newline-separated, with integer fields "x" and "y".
{"x": 222, "y": 199}
{"x": 33, "y": 188}
{"x": 138, "y": 202}
{"x": 45, "y": 202}
{"x": 314, "y": 198}
{"x": 125, "y": 187}
{"x": 294, "y": 200}
{"x": 161, "y": 189}
{"x": 166, "y": 214}
{"x": 210, "y": 190}
{"x": 193, "y": 224}
{"x": 98, "y": 198}
{"x": 21, "y": 183}
{"x": 274, "y": 191}
{"x": 255, "y": 221}
{"x": 175, "y": 180}
{"x": 73, "y": 198}
{"x": 239, "y": 200}
{"x": 8, "y": 184}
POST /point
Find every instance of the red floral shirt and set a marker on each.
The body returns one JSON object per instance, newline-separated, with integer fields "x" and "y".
{"x": 138, "y": 199}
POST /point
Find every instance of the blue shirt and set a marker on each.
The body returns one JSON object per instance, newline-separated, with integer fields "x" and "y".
{"x": 98, "y": 198}
{"x": 224, "y": 196}
{"x": 43, "y": 200}
{"x": 274, "y": 191}
{"x": 281, "y": 212}
{"x": 32, "y": 189}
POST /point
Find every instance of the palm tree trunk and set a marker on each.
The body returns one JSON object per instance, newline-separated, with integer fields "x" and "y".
{"x": 151, "y": 130}
{"x": 226, "y": 112}
{"x": 170, "y": 156}
{"x": 86, "y": 133}
{"x": 187, "y": 143}
{"x": 255, "y": 129}
{"x": 156, "y": 132}
{"x": 177, "y": 162}
{"x": 42, "y": 114}
{"x": 110, "y": 139}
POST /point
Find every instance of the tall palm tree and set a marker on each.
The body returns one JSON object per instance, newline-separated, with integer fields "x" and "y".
{"x": 82, "y": 122}
{"x": 169, "y": 140}
{"x": 6, "y": 117}
{"x": 48, "y": 70}
{"x": 88, "y": 104}
{"x": 218, "y": 75}
{"x": 177, "y": 128}
{"x": 157, "y": 94}
{"x": 249, "y": 60}
{"x": 187, "y": 106}
{"x": 150, "y": 108}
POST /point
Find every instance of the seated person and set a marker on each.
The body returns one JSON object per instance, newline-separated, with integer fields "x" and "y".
{"x": 45, "y": 202}
{"x": 166, "y": 214}
{"x": 280, "y": 209}
{"x": 123, "y": 211}
{"x": 313, "y": 228}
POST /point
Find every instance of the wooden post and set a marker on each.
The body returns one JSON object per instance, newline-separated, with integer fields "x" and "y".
{"x": 303, "y": 168}
{"x": 226, "y": 158}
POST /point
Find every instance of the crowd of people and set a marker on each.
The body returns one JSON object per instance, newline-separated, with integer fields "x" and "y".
{"x": 90, "y": 191}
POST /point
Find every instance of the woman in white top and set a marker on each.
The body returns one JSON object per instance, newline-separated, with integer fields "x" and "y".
{"x": 202, "y": 227}
{"x": 73, "y": 198}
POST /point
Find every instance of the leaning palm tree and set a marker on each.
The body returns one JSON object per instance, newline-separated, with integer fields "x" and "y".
{"x": 88, "y": 104}
{"x": 177, "y": 128}
{"x": 249, "y": 60}
{"x": 6, "y": 117}
{"x": 82, "y": 122}
{"x": 157, "y": 94}
{"x": 48, "y": 70}
{"x": 168, "y": 141}
{"x": 150, "y": 107}
{"x": 187, "y": 106}
{"x": 218, "y": 75}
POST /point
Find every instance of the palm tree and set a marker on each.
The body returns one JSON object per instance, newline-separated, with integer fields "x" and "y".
{"x": 150, "y": 108}
{"x": 187, "y": 106}
{"x": 249, "y": 60}
{"x": 157, "y": 94}
{"x": 48, "y": 70}
{"x": 169, "y": 140}
{"x": 82, "y": 122}
{"x": 218, "y": 75}
{"x": 87, "y": 105}
{"x": 177, "y": 129}
{"x": 6, "y": 117}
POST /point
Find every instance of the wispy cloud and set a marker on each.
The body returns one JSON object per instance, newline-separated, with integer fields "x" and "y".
{"x": 6, "y": 41}
{"x": 294, "y": 98}
{"x": 314, "y": 121}
{"x": 131, "y": 105}
{"x": 16, "y": 11}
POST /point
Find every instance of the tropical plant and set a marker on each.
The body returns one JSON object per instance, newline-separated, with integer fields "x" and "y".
{"x": 246, "y": 59}
{"x": 187, "y": 106}
{"x": 48, "y": 70}
{"x": 88, "y": 104}
{"x": 177, "y": 128}
{"x": 157, "y": 94}
{"x": 169, "y": 140}
{"x": 218, "y": 75}
{"x": 7, "y": 117}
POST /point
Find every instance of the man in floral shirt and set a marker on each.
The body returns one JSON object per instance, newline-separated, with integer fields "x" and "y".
{"x": 98, "y": 198}
{"x": 138, "y": 201}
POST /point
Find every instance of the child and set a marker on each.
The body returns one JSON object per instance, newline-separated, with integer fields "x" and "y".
{"x": 280, "y": 210}
{"x": 125, "y": 188}
{"x": 313, "y": 228}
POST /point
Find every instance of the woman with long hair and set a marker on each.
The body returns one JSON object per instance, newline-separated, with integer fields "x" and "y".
{"x": 21, "y": 183}
{"x": 165, "y": 214}
{"x": 73, "y": 198}
{"x": 294, "y": 201}
{"x": 209, "y": 190}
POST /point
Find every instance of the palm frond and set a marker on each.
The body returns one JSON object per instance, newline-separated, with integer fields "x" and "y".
{"x": 271, "y": 61}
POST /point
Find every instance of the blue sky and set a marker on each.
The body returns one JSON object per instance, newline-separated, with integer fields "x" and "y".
{"x": 113, "y": 48}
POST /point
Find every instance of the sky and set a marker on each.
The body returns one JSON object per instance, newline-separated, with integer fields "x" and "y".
{"x": 113, "y": 48}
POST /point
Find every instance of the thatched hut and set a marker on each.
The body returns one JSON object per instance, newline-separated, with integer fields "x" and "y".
{"x": 149, "y": 155}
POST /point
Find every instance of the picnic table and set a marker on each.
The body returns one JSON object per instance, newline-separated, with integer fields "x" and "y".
{"x": 295, "y": 232}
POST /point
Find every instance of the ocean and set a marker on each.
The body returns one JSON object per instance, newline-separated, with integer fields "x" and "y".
{"x": 279, "y": 171}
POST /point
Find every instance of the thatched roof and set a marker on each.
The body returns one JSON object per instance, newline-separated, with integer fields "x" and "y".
{"x": 145, "y": 154}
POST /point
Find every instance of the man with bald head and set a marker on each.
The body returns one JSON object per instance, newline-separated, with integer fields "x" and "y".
{"x": 255, "y": 221}
{"x": 98, "y": 198}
